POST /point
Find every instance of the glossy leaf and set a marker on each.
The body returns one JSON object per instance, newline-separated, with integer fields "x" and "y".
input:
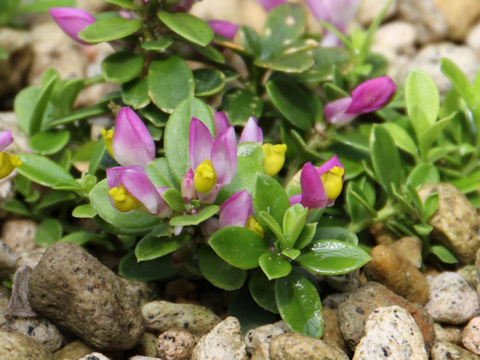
{"x": 263, "y": 291}
{"x": 152, "y": 246}
{"x": 423, "y": 174}
{"x": 240, "y": 104}
{"x": 459, "y": 80}
{"x": 293, "y": 222}
{"x": 108, "y": 29}
{"x": 159, "y": 173}
{"x": 24, "y": 105}
{"x": 84, "y": 211}
{"x": 270, "y": 197}
{"x": 274, "y": 266}
{"x": 160, "y": 44}
{"x": 135, "y": 93}
{"x": 174, "y": 199}
{"x": 15, "y": 207}
{"x": 195, "y": 219}
{"x": 238, "y": 246}
{"x": 122, "y": 66}
{"x": 289, "y": 63}
{"x": 306, "y": 236}
{"x": 48, "y": 232}
{"x": 401, "y": 138}
{"x": 443, "y": 254}
{"x": 268, "y": 220}
{"x": 188, "y": 26}
{"x": 158, "y": 269}
{"x": 48, "y": 142}
{"x": 208, "y": 82}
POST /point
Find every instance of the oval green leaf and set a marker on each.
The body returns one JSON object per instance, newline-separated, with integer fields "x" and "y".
{"x": 108, "y": 29}
{"x": 274, "y": 265}
{"x": 188, "y": 26}
{"x": 288, "y": 63}
{"x": 263, "y": 291}
{"x": 195, "y": 219}
{"x": 122, "y": 66}
{"x": 240, "y": 104}
{"x": 48, "y": 232}
{"x": 208, "y": 82}
{"x": 270, "y": 197}
{"x": 423, "y": 174}
{"x": 49, "y": 142}
{"x": 135, "y": 93}
{"x": 152, "y": 247}
{"x": 158, "y": 269}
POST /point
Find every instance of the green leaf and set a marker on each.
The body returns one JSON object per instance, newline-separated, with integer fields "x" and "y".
{"x": 291, "y": 253}
{"x": 402, "y": 138}
{"x": 122, "y": 66}
{"x": 16, "y": 207}
{"x": 176, "y": 134}
{"x": 336, "y": 233}
{"x": 218, "y": 272}
{"x": 174, "y": 199}
{"x": 38, "y": 113}
{"x": 250, "y": 40}
{"x": 152, "y": 246}
{"x": 195, "y": 219}
{"x": 270, "y": 197}
{"x": 43, "y": 6}
{"x": 96, "y": 158}
{"x": 45, "y": 172}
{"x": 333, "y": 257}
{"x": 306, "y": 236}
{"x": 48, "y": 232}
{"x": 299, "y": 304}
{"x": 209, "y": 52}
{"x": 443, "y": 254}
{"x": 385, "y": 158}
{"x": 84, "y": 211}
{"x": 3, "y": 54}
{"x": 423, "y": 229}
{"x": 288, "y": 63}
{"x": 160, "y": 44}
{"x": 108, "y": 29}
{"x": 158, "y": 269}
{"x": 127, "y": 4}
{"x": 292, "y": 101}
{"x": 169, "y": 82}
{"x": 432, "y": 134}
{"x": 133, "y": 220}
{"x": 459, "y": 80}
{"x": 326, "y": 58}
{"x": 80, "y": 114}
{"x": 135, "y": 93}
{"x": 272, "y": 224}
{"x": 238, "y": 246}
{"x": 263, "y": 291}
{"x": 468, "y": 184}
{"x": 423, "y": 174}
{"x": 240, "y": 104}
{"x": 159, "y": 173}
{"x": 430, "y": 205}
{"x": 293, "y": 222}
{"x": 274, "y": 265}
{"x": 55, "y": 197}
{"x": 421, "y": 93}
{"x": 188, "y": 27}
{"x": 208, "y": 82}
{"x": 49, "y": 142}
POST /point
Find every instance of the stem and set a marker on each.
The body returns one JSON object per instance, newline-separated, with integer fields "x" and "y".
{"x": 94, "y": 80}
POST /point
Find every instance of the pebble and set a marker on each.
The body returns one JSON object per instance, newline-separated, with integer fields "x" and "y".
{"x": 409, "y": 247}
{"x": 73, "y": 351}
{"x": 147, "y": 345}
{"x": 224, "y": 341}
{"x": 30, "y": 258}
{"x": 452, "y": 300}
{"x": 467, "y": 10}
{"x": 4, "y": 298}
{"x": 300, "y": 347}
{"x": 14, "y": 346}
{"x": 381, "y": 234}
{"x": 471, "y": 335}
{"x": 331, "y": 329}
{"x": 391, "y": 333}
{"x": 175, "y": 345}
{"x": 443, "y": 350}
{"x": 18, "y": 304}
{"x": 345, "y": 282}
{"x": 160, "y": 316}
{"x": 76, "y": 291}
{"x": 19, "y": 234}
{"x": 448, "y": 333}
{"x": 369, "y": 10}
{"x": 469, "y": 274}
{"x": 145, "y": 292}
{"x": 264, "y": 335}
{"x": 399, "y": 36}
{"x": 7, "y": 261}
{"x": 261, "y": 353}
{"x": 397, "y": 273}
{"x": 94, "y": 356}
{"x": 473, "y": 38}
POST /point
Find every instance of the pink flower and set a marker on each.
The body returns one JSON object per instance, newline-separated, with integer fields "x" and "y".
{"x": 235, "y": 210}
{"x": 224, "y": 28}
{"x": 270, "y": 4}
{"x": 252, "y": 132}
{"x": 72, "y": 20}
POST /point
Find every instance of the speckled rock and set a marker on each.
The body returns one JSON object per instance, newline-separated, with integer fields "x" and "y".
{"x": 428, "y": 60}
{"x": 175, "y": 345}
{"x": 261, "y": 353}
{"x": 397, "y": 273}
{"x": 369, "y": 10}
{"x": 334, "y": 300}
{"x": 264, "y": 335}
{"x": 94, "y": 356}
{"x": 147, "y": 345}
{"x": 19, "y": 234}
{"x": 391, "y": 333}
{"x": 144, "y": 291}
{"x": 331, "y": 329}
{"x": 30, "y": 258}
{"x": 426, "y": 17}
{"x": 76, "y": 291}
{"x": 161, "y": 316}
{"x": 346, "y": 282}
{"x": 451, "y": 300}
{"x": 410, "y": 247}
{"x": 447, "y": 351}
{"x": 469, "y": 274}
{"x": 73, "y": 351}
{"x": 7, "y": 260}
{"x": 4, "y": 298}
{"x": 381, "y": 234}
{"x": 467, "y": 10}
{"x": 224, "y": 341}
{"x": 18, "y": 305}
{"x": 471, "y": 335}
{"x": 455, "y": 223}
{"x": 294, "y": 346}
{"x": 354, "y": 311}
{"x": 447, "y": 333}
{"x": 14, "y": 346}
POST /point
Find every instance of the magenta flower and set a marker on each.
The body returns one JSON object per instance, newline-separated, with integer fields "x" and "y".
{"x": 270, "y": 4}
{"x": 235, "y": 210}
{"x": 213, "y": 160}
{"x": 188, "y": 187}
{"x": 5, "y": 139}
{"x": 320, "y": 186}
{"x": 8, "y": 162}
{"x": 132, "y": 143}
{"x": 72, "y": 20}
{"x": 130, "y": 189}
{"x": 252, "y": 132}
{"x": 224, "y": 28}
{"x": 369, "y": 96}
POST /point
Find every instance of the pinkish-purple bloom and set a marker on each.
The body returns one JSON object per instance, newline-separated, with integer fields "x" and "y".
{"x": 5, "y": 139}
{"x": 72, "y": 20}
{"x": 271, "y": 4}
{"x": 224, "y": 28}
{"x": 235, "y": 210}
{"x": 252, "y": 132}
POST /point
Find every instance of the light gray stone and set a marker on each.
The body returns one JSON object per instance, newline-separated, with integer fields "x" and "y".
{"x": 264, "y": 335}
{"x": 471, "y": 335}
{"x": 261, "y": 353}
{"x": 443, "y": 350}
{"x": 473, "y": 38}
{"x": 224, "y": 341}
{"x": 451, "y": 300}
{"x": 466, "y": 10}
{"x": 14, "y": 346}
{"x": 30, "y": 258}
{"x": 399, "y": 36}
{"x": 19, "y": 234}
{"x": 369, "y": 10}
{"x": 391, "y": 333}
{"x": 447, "y": 333}
{"x": 4, "y": 298}
{"x": 161, "y": 316}
{"x": 7, "y": 260}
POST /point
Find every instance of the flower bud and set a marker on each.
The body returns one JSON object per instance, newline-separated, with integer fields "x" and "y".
{"x": 72, "y": 20}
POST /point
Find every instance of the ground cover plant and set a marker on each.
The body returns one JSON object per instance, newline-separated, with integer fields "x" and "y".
{"x": 258, "y": 176}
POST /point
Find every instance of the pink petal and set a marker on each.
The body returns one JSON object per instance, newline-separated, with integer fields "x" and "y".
{"x": 200, "y": 142}
{"x": 163, "y": 209}
{"x": 221, "y": 123}
{"x": 224, "y": 28}
{"x": 132, "y": 142}
{"x": 335, "y": 111}
{"x": 5, "y": 139}
{"x": 337, "y": 12}
{"x": 72, "y": 20}
{"x": 188, "y": 187}
{"x": 270, "y": 4}
{"x": 224, "y": 156}
{"x": 295, "y": 199}
{"x": 235, "y": 210}
{"x": 372, "y": 95}
{"x": 252, "y": 132}
{"x": 137, "y": 183}
{"x": 329, "y": 165}
{"x": 113, "y": 174}
{"x": 313, "y": 193}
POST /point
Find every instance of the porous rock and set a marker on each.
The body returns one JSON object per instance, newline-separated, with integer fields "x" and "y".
{"x": 14, "y": 346}
{"x": 471, "y": 335}
{"x": 144, "y": 291}
{"x": 264, "y": 335}
{"x": 7, "y": 260}
{"x": 161, "y": 316}
{"x": 4, "y": 299}
{"x": 467, "y": 10}
{"x": 224, "y": 341}
{"x": 76, "y": 291}
{"x": 469, "y": 274}
{"x": 30, "y": 258}
{"x": 410, "y": 247}
{"x": 451, "y": 300}
{"x": 448, "y": 333}
{"x": 345, "y": 282}
{"x": 19, "y": 234}
{"x": 331, "y": 329}
{"x": 147, "y": 345}
{"x": 455, "y": 223}
{"x": 443, "y": 350}
{"x": 175, "y": 345}
{"x": 370, "y": 9}
{"x": 94, "y": 356}
{"x": 391, "y": 333}
{"x": 73, "y": 351}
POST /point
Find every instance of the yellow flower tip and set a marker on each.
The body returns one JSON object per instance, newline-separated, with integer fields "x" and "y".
{"x": 205, "y": 177}
{"x": 108, "y": 139}
{"x": 8, "y": 163}
{"x": 254, "y": 225}
{"x": 332, "y": 182}
{"x": 273, "y": 158}
{"x": 122, "y": 199}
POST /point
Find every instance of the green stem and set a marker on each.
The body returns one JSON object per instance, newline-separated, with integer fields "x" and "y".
{"x": 94, "y": 80}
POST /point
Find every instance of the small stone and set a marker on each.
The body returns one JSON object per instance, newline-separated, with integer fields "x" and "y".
{"x": 76, "y": 291}
{"x": 175, "y": 345}
{"x": 345, "y": 282}
{"x": 73, "y": 351}
{"x": 391, "y": 333}
{"x": 447, "y": 351}
{"x": 264, "y": 335}
{"x": 14, "y": 346}
{"x": 334, "y": 300}
{"x": 41, "y": 330}
{"x": 410, "y": 247}
{"x": 30, "y": 258}
{"x": 473, "y": 38}
{"x": 294, "y": 346}
{"x": 397, "y": 273}
{"x": 19, "y": 306}
{"x": 370, "y": 9}
{"x": 448, "y": 333}
{"x": 94, "y": 356}
{"x": 145, "y": 292}
{"x": 261, "y": 353}
{"x": 180, "y": 288}
{"x": 19, "y": 234}
{"x": 331, "y": 329}
{"x": 140, "y": 357}
{"x": 451, "y": 299}
{"x": 147, "y": 345}
{"x": 400, "y": 36}
{"x": 4, "y": 299}
{"x": 467, "y": 10}
{"x": 469, "y": 274}
{"x": 161, "y": 316}
{"x": 381, "y": 234}
{"x": 224, "y": 341}
{"x": 471, "y": 335}
{"x": 7, "y": 261}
